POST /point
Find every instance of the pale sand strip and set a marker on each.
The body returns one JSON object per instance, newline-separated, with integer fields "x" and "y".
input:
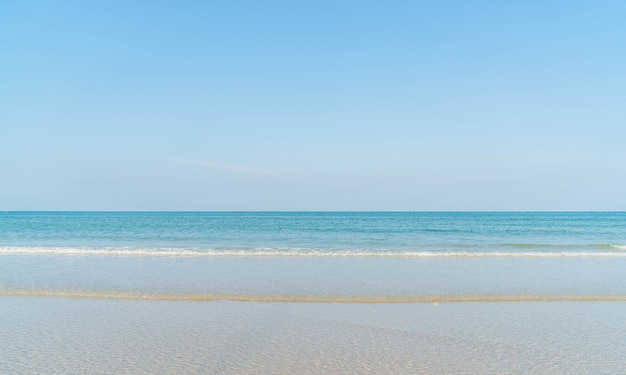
{"x": 304, "y": 299}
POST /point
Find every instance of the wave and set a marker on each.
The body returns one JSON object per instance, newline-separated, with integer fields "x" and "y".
{"x": 305, "y": 299}
{"x": 302, "y": 252}
{"x": 599, "y": 246}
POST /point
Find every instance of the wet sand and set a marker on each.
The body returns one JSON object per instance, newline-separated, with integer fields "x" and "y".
{"x": 53, "y": 335}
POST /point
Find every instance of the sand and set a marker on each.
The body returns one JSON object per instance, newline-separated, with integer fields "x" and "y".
{"x": 52, "y": 335}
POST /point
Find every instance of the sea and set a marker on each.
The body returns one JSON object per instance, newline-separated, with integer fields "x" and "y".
{"x": 313, "y": 292}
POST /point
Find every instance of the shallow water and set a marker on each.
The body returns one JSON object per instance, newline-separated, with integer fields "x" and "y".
{"x": 299, "y": 278}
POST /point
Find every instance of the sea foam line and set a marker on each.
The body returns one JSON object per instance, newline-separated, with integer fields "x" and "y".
{"x": 295, "y": 252}
{"x": 305, "y": 299}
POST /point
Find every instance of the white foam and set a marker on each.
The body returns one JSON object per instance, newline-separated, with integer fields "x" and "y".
{"x": 297, "y": 252}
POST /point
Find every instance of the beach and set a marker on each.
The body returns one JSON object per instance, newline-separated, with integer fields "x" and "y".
{"x": 59, "y": 336}
{"x": 335, "y": 293}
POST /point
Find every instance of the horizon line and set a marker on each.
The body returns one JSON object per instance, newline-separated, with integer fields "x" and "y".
{"x": 325, "y": 211}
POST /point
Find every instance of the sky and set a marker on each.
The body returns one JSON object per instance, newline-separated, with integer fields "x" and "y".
{"x": 321, "y": 105}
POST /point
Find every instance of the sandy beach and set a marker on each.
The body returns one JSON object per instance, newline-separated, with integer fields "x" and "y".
{"x": 68, "y": 335}
{"x": 110, "y": 293}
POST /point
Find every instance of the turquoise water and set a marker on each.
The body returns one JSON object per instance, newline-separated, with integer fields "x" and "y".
{"x": 310, "y": 233}
{"x": 364, "y": 257}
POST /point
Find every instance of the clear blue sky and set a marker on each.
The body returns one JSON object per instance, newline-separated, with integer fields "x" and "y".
{"x": 321, "y": 105}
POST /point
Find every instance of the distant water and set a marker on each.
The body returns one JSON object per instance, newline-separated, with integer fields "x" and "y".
{"x": 314, "y": 233}
{"x": 315, "y": 256}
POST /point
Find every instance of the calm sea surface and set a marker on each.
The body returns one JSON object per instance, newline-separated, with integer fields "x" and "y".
{"x": 311, "y": 233}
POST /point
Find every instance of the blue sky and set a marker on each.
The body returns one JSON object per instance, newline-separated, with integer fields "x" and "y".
{"x": 325, "y": 105}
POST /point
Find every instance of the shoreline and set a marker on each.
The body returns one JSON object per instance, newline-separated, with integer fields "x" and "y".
{"x": 307, "y": 299}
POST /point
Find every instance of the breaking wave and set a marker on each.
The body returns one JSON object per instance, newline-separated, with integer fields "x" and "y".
{"x": 541, "y": 252}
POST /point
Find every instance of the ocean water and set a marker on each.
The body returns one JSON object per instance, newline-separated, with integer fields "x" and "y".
{"x": 314, "y": 233}
{"x": 339, "y": 256}
{"x": 364, "y": 256}
{"x": 328, "y": 292}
